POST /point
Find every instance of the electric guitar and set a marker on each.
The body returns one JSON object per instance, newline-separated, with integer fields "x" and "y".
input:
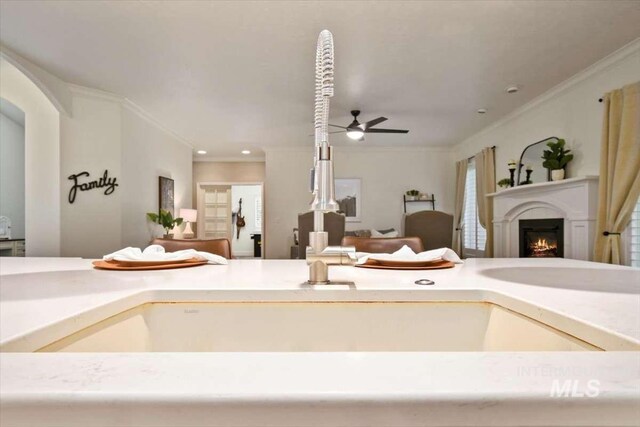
{"x": 239, "y": 219}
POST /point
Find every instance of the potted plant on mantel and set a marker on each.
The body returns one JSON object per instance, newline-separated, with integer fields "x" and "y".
{"x": 166, "y": 220}
{"x": 412, "y": 195}
{"x": 556, "y": 158}
{"x": 504, "y": 183}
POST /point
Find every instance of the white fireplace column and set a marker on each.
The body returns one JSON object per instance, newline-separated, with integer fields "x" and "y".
{"x": 575, "y": 200}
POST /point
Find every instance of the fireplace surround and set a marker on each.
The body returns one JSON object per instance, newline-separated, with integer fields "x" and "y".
{"x": 572, "y": 200}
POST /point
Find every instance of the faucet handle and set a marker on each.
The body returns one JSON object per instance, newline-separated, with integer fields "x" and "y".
{"x": 347, "y": 254}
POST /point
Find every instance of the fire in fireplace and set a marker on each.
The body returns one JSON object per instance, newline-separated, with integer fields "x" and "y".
{"x": 541, "y": 238}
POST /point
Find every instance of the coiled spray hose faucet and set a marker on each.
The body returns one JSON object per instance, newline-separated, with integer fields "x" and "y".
{"x": 319, "y": 257}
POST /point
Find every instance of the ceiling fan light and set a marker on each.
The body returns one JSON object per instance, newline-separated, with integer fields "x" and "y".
{"x": 355, "y": 134}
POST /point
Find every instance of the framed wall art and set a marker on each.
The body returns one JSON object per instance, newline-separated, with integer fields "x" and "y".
{"x": 349, "y": 198}
{"x": 166, "y": 199}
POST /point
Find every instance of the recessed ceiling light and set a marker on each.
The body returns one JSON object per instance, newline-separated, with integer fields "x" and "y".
{"x": 482, "y": 110}
{"x": 246, "y": 152}
{"x": 201, "y": 152}
{"x": 513, "y": 89}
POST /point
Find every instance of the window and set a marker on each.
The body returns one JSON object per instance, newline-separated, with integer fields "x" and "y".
{"x": 474, "y": 235}
{"x": 634, "y": 236}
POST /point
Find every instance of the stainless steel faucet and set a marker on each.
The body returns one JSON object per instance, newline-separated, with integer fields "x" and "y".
{"x": 319, "y": 255}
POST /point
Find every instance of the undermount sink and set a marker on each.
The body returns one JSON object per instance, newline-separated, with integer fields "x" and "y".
{"x": 319, "y": 327}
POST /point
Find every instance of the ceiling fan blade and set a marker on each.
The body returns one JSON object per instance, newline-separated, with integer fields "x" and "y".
{"x": 386, "y": 131}
{"x": 336, "y": 126}
{"x": 337, "y": 131}
{"x": 370, "y": 123}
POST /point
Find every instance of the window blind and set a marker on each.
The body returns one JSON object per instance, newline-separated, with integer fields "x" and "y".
{"x": 474, "y": 235}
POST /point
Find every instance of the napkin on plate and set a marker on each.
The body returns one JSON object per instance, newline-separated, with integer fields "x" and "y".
{"x": 157, "y": 253}
{"x": 407, "y": 254}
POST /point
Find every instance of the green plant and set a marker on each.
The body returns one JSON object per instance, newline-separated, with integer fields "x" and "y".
{"x": 504, "y": 182}
{"x": 165, "y": 219}
{"x": 413, "y": 193}
{"x": 556, "y": 157}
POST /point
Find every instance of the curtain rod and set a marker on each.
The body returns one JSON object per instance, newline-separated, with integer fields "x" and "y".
{"x": 492, "y": 147}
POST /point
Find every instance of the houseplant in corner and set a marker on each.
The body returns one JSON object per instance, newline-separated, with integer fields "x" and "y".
{"x": 556, "y": 158}
{"x": 165, "y": 219}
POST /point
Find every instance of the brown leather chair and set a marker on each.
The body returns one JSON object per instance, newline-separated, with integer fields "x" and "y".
{"x": 435, "y": 228}
{"x": 220, "y": 247}
{"x": 383, "y": 245}
{"x": 333, "y": 224}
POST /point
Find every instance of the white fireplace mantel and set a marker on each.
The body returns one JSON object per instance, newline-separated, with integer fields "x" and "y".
{"x": 575, "y": 200}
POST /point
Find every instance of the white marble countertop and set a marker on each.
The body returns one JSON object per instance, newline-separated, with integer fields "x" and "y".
{"x": 37, "y": 295}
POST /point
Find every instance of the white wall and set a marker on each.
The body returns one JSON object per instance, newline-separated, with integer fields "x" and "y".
{"x": 249, "y": 193}
{"x": 107, "y": 132}
{"x": 56, "y": 90}
{"x": 102, "y": 132}
{"x": 386, "y": 174}
{"x": 12, "y": 174}
{"x": 570, "y": 111}
{"x": 206, "y": 171}
{"x": 148, "y": 152}
{"x": 91, "y": 142}
{"x": 42, "y": 160}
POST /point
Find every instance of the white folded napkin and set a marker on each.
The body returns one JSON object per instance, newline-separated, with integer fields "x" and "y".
{"x": 157, "y": 253}
{"x": 407, "y": 254}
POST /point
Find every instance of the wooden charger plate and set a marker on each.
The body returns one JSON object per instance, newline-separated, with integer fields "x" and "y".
{"x": 404, "y": 265}
{"x": 152, "y": 265}
{"x": 136, "y": 263}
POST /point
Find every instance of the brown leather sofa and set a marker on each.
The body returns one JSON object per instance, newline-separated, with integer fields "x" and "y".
{"x": 220, "y": 247}
{"x": 382, "y": 245}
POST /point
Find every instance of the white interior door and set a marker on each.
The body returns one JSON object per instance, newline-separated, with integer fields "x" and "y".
{"x": 214, "y": 201}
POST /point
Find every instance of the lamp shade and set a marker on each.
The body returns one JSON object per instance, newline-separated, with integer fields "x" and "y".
{"x": 189, "y": 215}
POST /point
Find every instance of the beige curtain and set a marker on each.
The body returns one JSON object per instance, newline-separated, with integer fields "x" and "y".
{"x": 619, "y": 185}
{"x": 461, "y": 178}
{"x": 486, "y": 184}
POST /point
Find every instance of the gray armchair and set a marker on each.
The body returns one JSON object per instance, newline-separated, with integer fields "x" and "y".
{"x": 333, "y": 223}
{"x": 435, "y": 228}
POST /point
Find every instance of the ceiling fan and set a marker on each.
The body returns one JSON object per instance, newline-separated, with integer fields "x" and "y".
{"x": 356, "y": 130}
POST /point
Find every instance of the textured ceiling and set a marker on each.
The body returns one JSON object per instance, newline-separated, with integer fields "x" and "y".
{"x": 233, "y": 75}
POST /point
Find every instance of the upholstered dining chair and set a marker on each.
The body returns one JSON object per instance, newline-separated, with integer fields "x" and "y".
{"x": 333, "y": 224}
{"x": 385, "y": 245}
{"x": 435, "y": 228}
{"x": 220, "y": 247}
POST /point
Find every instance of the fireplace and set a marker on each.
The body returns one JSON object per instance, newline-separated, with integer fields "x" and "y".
{"x": 541, "y": 238}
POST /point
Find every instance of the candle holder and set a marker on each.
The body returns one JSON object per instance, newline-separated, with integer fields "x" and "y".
{"x": 511, "y": 176}
{"x": 529, "y": 171}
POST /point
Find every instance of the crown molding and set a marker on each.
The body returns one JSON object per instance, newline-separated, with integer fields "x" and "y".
{"x": 143, "y": 114}
{"x": 619, "y": 55}
{"x": 89, "y": 92}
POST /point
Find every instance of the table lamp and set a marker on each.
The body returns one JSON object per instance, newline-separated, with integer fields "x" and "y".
{"x": 189, "y": 216}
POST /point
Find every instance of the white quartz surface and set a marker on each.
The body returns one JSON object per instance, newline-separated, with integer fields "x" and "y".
{"x": 39, "y": 295}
